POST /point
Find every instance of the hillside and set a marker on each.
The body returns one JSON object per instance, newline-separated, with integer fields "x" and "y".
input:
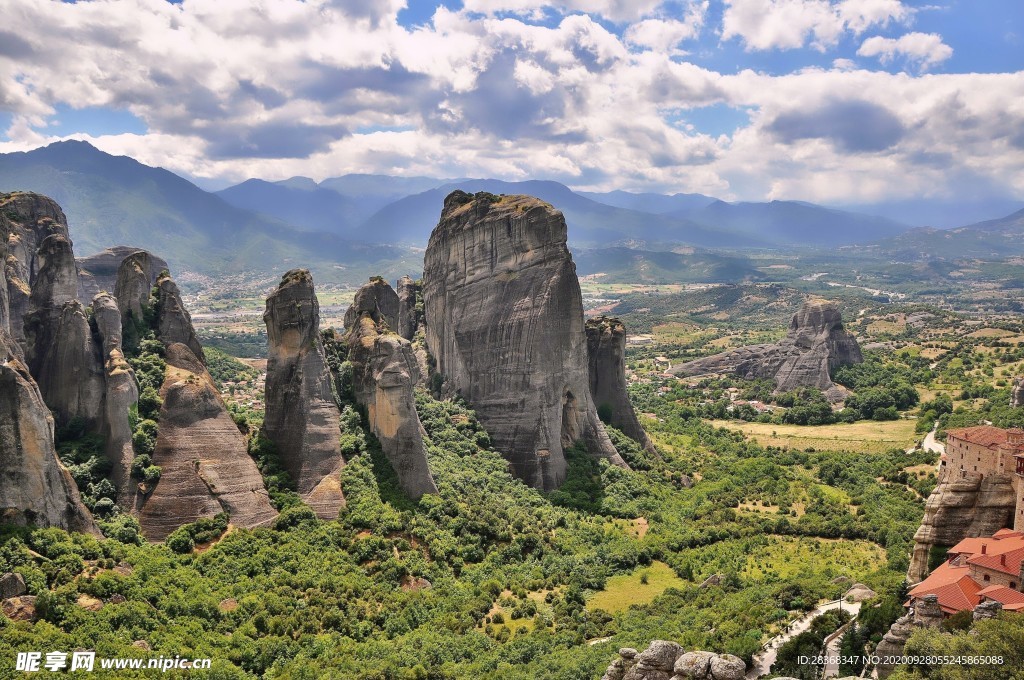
{"x": 626, "y": 265}
{"x": 992, "y": 239}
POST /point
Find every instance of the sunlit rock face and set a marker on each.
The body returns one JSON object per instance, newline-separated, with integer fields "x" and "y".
{"x": 606, "y": 351}
{"x": 504, "y": 322}
{"x": 302, "y": 416}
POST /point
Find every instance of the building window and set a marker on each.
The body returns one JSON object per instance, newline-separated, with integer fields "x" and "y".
{"x": 986, "y": 577}
{"x": 1013, "y": 584}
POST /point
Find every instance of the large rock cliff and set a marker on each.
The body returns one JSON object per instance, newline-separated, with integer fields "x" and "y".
{"x": 133, "y": 283}
{"x": 815, "y": 345}
{"x": 34, "y": 487}
{"x": 302, "y": 416}
{"x": 504, "y": 322}
{"x": 385, "y": 372}
{"x": 377, "y": 297}
{"x": 59, "y": 347}
{"x": 959, "y": 508}
{"x": 99, "y": 272}
{"x": 205, "y": 468}
{"x": 174, "y": 324}
{"x": 606, "y": 350}
{"x": 407, "y": 321}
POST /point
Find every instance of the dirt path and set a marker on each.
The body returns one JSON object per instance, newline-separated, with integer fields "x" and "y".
{"x": 765, "y": 659}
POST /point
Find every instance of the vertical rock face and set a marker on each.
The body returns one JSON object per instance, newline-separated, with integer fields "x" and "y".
{"x": 36, "y": 218}
{"x": 122, "y": 392}
{"x": 205, "y": 468}
{"x": 407, "y": 290}
{"x": 174, "y": 324}
{"x": 134, "y": 280}
{"x": 99, "y": 272}
{"x": 928, "y": 614}
{"x": 59, "y": 347}
{"x": 606, "y": 349}
{"x": 34, "y": 487}
{"x": 379, "y": 297}
{"x": 960, "y": 508}
{"x": 815, "y": 345}
{"x": 384, "y": 374}
{"x": 1017, "y": 393}
{"x": 504, "y": 321}
{"x": 302, "y": 417}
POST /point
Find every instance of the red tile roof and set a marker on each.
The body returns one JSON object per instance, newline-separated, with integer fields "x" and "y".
{"x": 1003, "y": 561}
{"x": 1003, "y": 595}
{"x": 954, "y": 587}
{"x": 984, "y": 435}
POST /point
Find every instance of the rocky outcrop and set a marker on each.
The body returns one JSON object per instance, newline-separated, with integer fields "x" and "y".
{"x": 926, "y": 614}
{"x": 1017, "y": 393}
{"x": 606, "y": 350}
{"x": 815, "y": 345}
{"x": 379, "y": 297}
{"x": 407, "y": 321}
{"x": 133, "y": 282}
{"x": 302, "y": 416}
{"x": 504, "y": 322}
{"x": 98, "y": 273}
{"x": 174, "y": 324}
{"x": 959, "y": 508}
{"x": 34, "y": 487}
{"x": 384, "y": 373}
{"x": 122, "y": 392}
{"x": 664, "y": 660}
{"x": 205, "y": 468}
{"x": 989, "y": 609}
{"x": 59, "y": 348}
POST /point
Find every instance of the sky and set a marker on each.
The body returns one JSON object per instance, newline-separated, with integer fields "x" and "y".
{"x": 832, "y": 101}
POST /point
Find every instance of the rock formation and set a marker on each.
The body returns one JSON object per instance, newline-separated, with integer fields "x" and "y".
{"x": 959, "y": 508}
{"x": 59, "y": 348}
{"x": 1017, "y": 393}
{"x": 385, "y": 372}
{"x": 99, "y": 272}
{"x": 122, "y": 392}
{"x": 134, "y": 281}
{"x": 205, "y": 468}
{"x": 174, "y": 324}
{"x": 606, "y": 349}
{"x": 34, "y": 487}
{"x": 407, "y": 322}
{"x": 504, "y": 321}
{"x": 302, "y": 417}
{"x": 927, "y": 614}
{"x": 815, "y": 345}
{"x": 376, "y": 296}
{"x": 664, "y": 660}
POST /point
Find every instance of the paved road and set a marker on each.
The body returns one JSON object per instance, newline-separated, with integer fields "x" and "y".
{"x": 930, "y": 444}
{"x": 765, "y": 659}
{"x": 832, "y": 652}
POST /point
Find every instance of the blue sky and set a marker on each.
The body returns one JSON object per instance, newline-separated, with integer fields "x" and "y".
{"x": 836, "y": 101}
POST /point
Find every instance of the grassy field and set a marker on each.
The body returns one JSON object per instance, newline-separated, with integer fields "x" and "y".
{"x": 620, "y": 592}
{"x": 786, "y": 557}
{"x": 866, "y": 436}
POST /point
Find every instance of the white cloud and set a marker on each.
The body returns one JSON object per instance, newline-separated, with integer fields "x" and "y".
{"x": 789, "y": 24}
{"x": 923, "y": 50}
{"x": 664, "y": 35}
{"x": 615, "y": 10}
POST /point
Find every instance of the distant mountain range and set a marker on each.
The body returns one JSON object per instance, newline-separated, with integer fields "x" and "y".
{"x": 346, "y": 227}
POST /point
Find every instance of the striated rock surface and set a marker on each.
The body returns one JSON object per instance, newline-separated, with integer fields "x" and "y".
{"x": 407, "y": 322}
{"x": 99, "y": 272}
{"x": 174, "y": 324}
{"x": 1017, "y": 393}
{"x": 34, "y": 487}
{"x": 59, "y": 347}
{"x": 606, "y": 350}
{"x": 133, "y": 282}
{"x": 376, "y": 296}
{"x": 205, "y": 468}
{"x": 959, "y": 508}
{"x": 302, "y": 416}
{"x": 31, "y": 218}
{"x": 385, "y": 372}
{"x": 663, "y": 660}
{"x": 122, "y": 392}
{"x": 504, "y": 321}
{"x": 815, "y": 345}
{"x": 927, "y": 614}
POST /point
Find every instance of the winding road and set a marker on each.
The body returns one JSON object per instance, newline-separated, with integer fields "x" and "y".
{"x": 765, "y": 659}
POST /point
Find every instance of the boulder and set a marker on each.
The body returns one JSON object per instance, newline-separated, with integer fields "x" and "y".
{"x": 12, "y": 585}
{"x": 606, "y": 352}
{"x": 696, "y": 665}
{"x": 205, "y": 467}
{"x": 727, "y": 667}
{"x": 504, "y": 322}
{"x": 407, "y": 321}
{"x": 958, "y": 508}
{"x": 302, "y": 416}
{"x": 664, "y": 660}
{"x": 989, "y": 609}
{"x": 384, "y": 373}
{"x": 20, "y": 608}
{"x": 174, "y": 324}
{"x": 815, "y": 345}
